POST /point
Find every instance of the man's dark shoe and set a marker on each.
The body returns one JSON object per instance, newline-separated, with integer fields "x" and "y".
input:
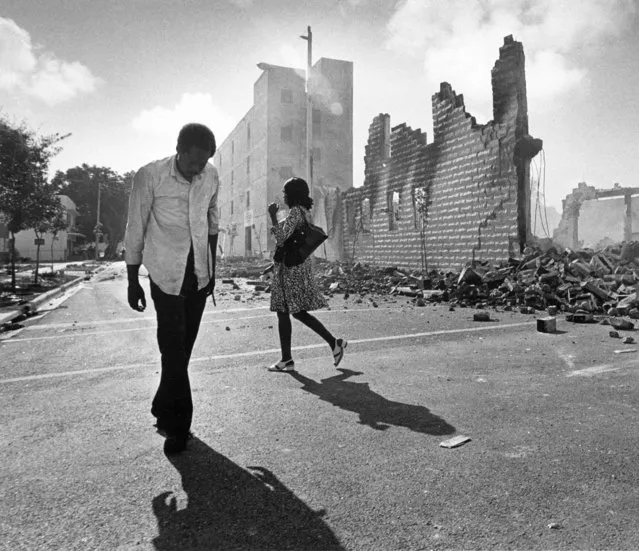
{"x": 176, "y": 443}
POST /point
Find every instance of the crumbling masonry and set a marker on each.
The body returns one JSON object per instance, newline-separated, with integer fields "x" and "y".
{"x": 620, "y": 208}
{"x": 475, "y": 179}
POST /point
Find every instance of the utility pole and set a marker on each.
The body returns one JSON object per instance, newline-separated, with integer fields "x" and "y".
{"x": 98, "y": 231}
{"x": 309, "y": 110}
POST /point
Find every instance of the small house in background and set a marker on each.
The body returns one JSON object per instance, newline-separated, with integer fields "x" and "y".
{"x": 26, "y": 245}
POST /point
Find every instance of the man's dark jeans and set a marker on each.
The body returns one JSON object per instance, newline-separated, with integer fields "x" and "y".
{"x": 178, "y": 318}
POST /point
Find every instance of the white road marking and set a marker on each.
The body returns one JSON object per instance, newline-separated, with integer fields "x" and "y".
{"x": 119, "y": 321}
{"x": 150, "y": 326}
{"x": 264, "y": 352}
{"x": 593, "y": 370}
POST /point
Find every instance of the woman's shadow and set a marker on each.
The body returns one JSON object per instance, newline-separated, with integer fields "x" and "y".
{"x": 234, "y": 508}
{"x": 374, "y": 410}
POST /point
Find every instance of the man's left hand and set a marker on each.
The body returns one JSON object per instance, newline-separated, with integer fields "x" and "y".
{"x": 210, "y": 288}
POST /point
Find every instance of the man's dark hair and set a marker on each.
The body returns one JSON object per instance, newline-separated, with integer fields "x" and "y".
{"x": 198, "y": 135}
{"x": 297, "y": 193}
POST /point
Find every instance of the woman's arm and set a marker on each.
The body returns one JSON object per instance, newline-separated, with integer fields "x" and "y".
{"x": 283, "y": 231}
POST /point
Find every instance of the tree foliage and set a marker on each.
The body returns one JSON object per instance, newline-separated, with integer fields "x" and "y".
{"x": 81, "y": 184}
{"x": 27, "y": 199}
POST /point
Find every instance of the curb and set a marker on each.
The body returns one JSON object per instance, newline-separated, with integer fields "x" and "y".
{"x": 32, "y": 305}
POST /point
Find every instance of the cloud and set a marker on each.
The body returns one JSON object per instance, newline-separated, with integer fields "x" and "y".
{"x": 38, "y": 74}
{"x": 459, "y": 40}
{"x": 162, "y": 124}
{"x": 244, "y": 4}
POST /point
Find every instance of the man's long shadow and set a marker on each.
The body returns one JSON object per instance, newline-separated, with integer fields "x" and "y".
{"x": 374, "y": 410}
{"x": 234, "y": 508}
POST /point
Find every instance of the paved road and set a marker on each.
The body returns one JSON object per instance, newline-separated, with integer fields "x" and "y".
{"x": 344, "y": 459}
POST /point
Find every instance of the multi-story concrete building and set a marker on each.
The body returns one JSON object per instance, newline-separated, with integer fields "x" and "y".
{"x": 268, "y": 146}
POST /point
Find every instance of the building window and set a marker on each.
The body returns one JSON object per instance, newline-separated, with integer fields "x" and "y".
{"x": 366, "y": 215}
{"x": 248, "y": 133}
{"x": 220, "y": 159}
{"x": 231, "y": 207}
{"x": 248, "y": 241}
{"x": 286, "y": 133}
{"x": 232, "y": 179}
{"x": 286, "y": 96}
{"x": 248, "y": 166}
{"x": 248, "y": 199}
{"x": 392, "y": 203}
{"x": 416, "y": 215}
{"x": 351, "y": 223}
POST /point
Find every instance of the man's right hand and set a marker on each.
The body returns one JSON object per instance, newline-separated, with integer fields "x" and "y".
{"x": 135, "y": 295}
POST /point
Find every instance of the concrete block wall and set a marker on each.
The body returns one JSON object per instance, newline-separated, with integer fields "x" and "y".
{"x": 384, "y": 174}
{"x": 478, "y": 188}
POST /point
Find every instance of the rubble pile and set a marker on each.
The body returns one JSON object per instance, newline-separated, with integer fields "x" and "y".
{"x": 581, "y": 283}
{"x": 241, "y": 267}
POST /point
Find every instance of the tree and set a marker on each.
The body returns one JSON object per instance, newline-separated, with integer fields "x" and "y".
{"x": 45, "y": 209}
{"x": 55, "y": 225}
{"x": 83, "y": 184}
{"x": 422, "y": 202}
{"x": 26, "y": 198}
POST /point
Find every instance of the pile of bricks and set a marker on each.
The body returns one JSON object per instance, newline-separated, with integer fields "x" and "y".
{"x": 583, "y": 282}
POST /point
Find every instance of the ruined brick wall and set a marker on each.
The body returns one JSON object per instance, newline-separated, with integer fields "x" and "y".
{"x": 476, "y": 177}
{"x": 374, "y": 241}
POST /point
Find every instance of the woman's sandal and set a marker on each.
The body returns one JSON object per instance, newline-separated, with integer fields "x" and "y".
{"x": 283, "y": 366}
{"x": 338, "y": 351}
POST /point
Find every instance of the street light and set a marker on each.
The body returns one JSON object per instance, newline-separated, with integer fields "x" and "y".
{"x": 309, "y": 109}
{"x": 98, "y": 226}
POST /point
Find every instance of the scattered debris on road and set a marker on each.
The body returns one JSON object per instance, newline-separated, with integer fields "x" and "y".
{"x": 547, "y": 325}
{"x": 455, "y": 441}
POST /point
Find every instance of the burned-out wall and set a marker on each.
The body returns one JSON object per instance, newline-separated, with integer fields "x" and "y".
{"x": 592, "y": 215}
{"x": 475, "y": 179}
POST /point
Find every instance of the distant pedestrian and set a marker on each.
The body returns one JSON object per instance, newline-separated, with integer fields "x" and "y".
{"x": 172, "y": 228}
{"x": 293, "y": 289}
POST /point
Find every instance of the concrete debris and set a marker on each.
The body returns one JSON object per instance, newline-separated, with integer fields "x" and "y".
{"x": 481, "y": 316}
{"x": 586, "y": 285}
{"x": 10, "y": 326}
{"x": 621, "y": 324}
{"x": 628, "y": 340}
{"x": 455, "y": 441}
{"x": 583, "y": 281}
{"x": 547, "y": 325}
{"x": 580, "y": 317}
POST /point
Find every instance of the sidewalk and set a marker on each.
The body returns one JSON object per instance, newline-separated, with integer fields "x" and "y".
{"x": 9, "y": 314}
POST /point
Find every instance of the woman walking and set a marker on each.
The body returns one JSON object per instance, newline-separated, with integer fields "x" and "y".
{"x": 293, "y": 290}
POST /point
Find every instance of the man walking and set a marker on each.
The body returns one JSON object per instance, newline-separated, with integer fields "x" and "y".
{"x": 172, "y": 228}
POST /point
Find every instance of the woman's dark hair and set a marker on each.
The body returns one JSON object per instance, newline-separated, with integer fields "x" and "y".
{"x": 196, "y": 135}
{"x": 296, "y": 190}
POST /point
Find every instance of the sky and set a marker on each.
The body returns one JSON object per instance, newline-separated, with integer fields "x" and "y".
{"x": 122, "y": 76}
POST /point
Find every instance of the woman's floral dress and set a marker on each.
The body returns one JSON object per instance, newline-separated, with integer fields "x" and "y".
{"x": 294, "y": 289}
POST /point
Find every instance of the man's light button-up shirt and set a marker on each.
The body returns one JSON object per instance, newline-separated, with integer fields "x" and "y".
{"x": 166, "y": 215}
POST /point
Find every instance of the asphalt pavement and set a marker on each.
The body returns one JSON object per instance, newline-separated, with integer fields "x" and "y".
{"x": 323, "y": 458}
